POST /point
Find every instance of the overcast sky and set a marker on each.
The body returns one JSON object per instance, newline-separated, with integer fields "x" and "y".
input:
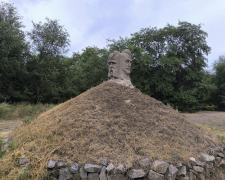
{"x": 91, "y": 22}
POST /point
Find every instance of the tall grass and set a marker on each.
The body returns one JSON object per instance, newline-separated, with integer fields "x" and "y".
{"x": 22, "y": 110}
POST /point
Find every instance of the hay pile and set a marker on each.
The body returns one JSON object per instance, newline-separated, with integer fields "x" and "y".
{"x": 110, "y": 121}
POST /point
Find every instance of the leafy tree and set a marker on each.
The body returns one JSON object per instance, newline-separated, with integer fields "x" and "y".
{"x": 49, "y": 39}
{"x": 171, "y": 62}
{"x": 47, "y": 72}
{"x": 14, "y": 52}
{"x": 219, "y": 79}
{"x": 89, "y": 68}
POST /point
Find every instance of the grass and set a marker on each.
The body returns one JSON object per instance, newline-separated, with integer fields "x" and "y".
{"x": 218, "y": 131}
{"x": 2, "y": 152}
{"x": 22, "y": 110}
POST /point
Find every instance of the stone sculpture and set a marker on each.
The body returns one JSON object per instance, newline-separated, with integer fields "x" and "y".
{"x": 119, "y": 67}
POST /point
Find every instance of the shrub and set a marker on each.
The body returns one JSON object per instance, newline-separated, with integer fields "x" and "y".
{"x": 4, "y": 109}
{"x": 210, "y": 108}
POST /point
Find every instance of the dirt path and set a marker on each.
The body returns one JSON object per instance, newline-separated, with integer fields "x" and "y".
{"x": 208, "y": 118}
{"x": 7, "y": 126}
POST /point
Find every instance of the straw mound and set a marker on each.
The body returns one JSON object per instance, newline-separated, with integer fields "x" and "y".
{"x": 114, "y": 122}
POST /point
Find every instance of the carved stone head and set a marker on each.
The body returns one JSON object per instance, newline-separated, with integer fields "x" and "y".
{"x": 119, "y": 65}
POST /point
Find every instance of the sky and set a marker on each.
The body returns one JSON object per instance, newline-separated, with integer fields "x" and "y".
{"x": 91, "y": 22}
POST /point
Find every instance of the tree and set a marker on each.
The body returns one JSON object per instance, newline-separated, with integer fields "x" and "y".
{"x": 89, "y": 68}
{"x": 219, "y": 79}
{"x": 47, "y": 72}
{"x": 49, "y": 39}
{"x": 14, "y": 52}
{"x": 169, "y": 63}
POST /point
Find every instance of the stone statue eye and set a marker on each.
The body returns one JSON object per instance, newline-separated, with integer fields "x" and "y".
{"x": 111, "y": 63}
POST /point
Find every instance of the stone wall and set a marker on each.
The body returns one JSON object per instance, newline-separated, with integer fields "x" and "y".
{"x": 157, "y": 170}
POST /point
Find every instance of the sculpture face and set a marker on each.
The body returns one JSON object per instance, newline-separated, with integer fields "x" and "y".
{"x": 125, "y": 62}
{"x": 119, "y": 65}
{"x": 112, "y": 64}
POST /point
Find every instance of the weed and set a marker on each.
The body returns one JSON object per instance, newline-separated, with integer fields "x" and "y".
{"x": 26, "y": 120}
{"x": 4, "y": 110}
{"x": 51, "y": 137}
{"x": 12, "y": 145}
{"x": 221, "y": 137}
{"x": 24, "y": 174}
{"x": 2, "y": 152}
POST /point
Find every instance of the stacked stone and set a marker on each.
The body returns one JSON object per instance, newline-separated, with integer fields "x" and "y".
{"x": 158, "y": 170}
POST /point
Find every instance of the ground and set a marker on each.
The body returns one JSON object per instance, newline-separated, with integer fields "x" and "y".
{"x": 208, "y": 118}
{"x": 6, "y": 126}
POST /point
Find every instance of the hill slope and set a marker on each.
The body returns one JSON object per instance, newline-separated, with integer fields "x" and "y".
{"x": 111, "y": 121}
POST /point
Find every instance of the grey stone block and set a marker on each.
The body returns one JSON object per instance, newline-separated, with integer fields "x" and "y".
{"x": 104, "y": 162}
{"x": 65, "y": 174}
{"x": 92, "y": 168}
{"x": 120, "y": 169}
{"x": 182, "y": 171}
{"x": 208, "y": 158}
{"x": 102, "y": 175}
{"x": 171, "y": 172}
{"x": 160, "y": 166}
{"x": 83, "y": 174}
{"x": 61, "y": 164}
{"x": 145, "y": 162}
{"x": 93, "y": 176}
{"x": 110, "y": 168}
{"x": 198, "y": 169}
{"x": 152, "y": 175}
{"x": 136, "y": 173}
{"x": 51, "y": 164}
{"x": 116, "y": 177}
{"x": 74, "y": 168}
{"x": 23, "y": 161}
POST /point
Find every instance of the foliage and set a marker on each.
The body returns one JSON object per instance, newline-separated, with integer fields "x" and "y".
{"x": 2, "y": 152}
{"x": 12, "y": 145}
{"x": 89, "y": 68}
{"x": 13, "y": 54}
{"x": 4, "y": 110}
{"x": 49, "y": 39}
{"x": 210, "y": 108}
{"x": 47, "y": 82}
{"x": 219, "y": 79}
{"x": 22, "y": 110}
{"x": 168, "y": 64}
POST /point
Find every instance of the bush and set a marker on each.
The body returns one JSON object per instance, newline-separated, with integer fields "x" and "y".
{"x": 4, "y": 110}
{"x": 210, "y": 108}
{"x": 22, "y": 110}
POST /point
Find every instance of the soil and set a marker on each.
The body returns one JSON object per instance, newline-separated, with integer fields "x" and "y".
{"x": 208, "y": 118}
{"x": 6, "y": 126}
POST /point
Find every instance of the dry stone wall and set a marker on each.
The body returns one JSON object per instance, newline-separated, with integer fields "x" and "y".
{"x": 195, "y": 169}
{"x": 158, "y": 170}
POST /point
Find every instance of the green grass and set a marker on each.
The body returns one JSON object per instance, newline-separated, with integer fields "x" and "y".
{"x": 218, "y": 131}
{"x": 2, "y": 152}
{"x": 22, "y": 110}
